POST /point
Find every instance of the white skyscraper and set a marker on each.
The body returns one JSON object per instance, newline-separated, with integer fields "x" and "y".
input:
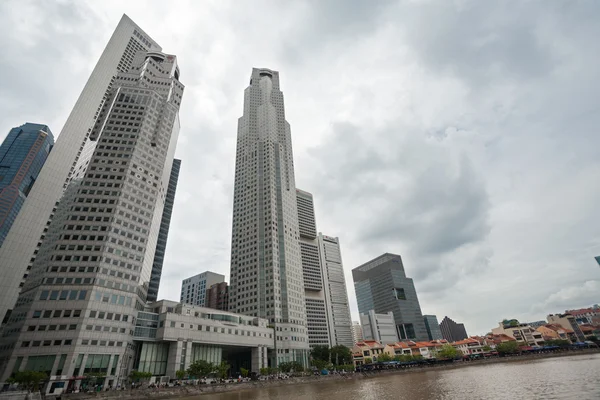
{"x": 336, "y": 295}
{"x": 91, "y": 275}
{"x": 266, "y": 268}
{"x": 69, "y": 158}
{"x": 357, "y": 333}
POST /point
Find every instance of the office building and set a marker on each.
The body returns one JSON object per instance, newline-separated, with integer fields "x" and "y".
{"x": 597, "y": 259}
{"x": 381, "y": 285}
{"x": 357, "y": 333}
{"x": 266, "y": 266}
{"x": 91, "y": 276}
{"x": 433, "y": 328}
{"x": 69, "y": 158}
{"x": 452, "y": 331}
{"x": 379, "y": 327}
{"x": 217, "y": 296}
{"x": 193, "y": 289}
{"x": 22, "y": 156}
{"x": 161, "y": 243}
{"x": 336, "y": 295}
{"x": 312, "y": 274}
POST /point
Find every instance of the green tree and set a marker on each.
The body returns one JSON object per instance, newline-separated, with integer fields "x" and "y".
{"x": 264, "y": 371}
{"x": 29, "y": 380}
{"x": 507, "y": 347}
{"x": 245, "y": 372}
{"x": 138, "y": 375}
{"x": 368, "y": 360}
{"x": 448, "y": 351}
{"x": 180, "y": 374}
{"x": 347, "y": 367}
{"x": 340, "y": 355}
{"x": 558, "y": 342}
{"x": 221, "y": 369}
{"x": 320, "y": 353}
{"x": 487, "y": 348}
{"x": 200, "y": 368}
{"x": 384, "y": 357}
{"x": 320, "y": 364}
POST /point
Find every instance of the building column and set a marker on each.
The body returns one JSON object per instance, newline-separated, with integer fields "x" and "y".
{"x": 188, "y": 355}
{"x": 174, "y": 359}
{"x": 255, "y": 359}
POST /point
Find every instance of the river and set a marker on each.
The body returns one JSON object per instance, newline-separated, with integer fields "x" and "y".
{"x": 573, "y": 377}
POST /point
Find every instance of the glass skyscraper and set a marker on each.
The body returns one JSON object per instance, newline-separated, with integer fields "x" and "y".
{"x": 22, "y": 156}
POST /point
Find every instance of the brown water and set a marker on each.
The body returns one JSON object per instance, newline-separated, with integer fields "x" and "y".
{"x": 574, "y": 377}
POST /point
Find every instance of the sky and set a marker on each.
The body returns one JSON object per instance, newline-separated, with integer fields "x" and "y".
{"x": 458, "y": 134}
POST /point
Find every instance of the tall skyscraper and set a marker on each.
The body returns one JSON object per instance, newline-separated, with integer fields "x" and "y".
{"x": 336, "y": 295}
{"x": 193, "y": 289}
{"x": 433, "y": 328}
{"x": 22, "y": 156}
{"x": 91, "y": 276}
{"x": 381, "y": 285}
{"x": 69, "y": 158}
{"x": 161, "y": 243}
{"x": 452, "y": 331}
{"x": 380, "y": 327}
{"x": 217, "y": 296}
{"x": 316, "y": 311}
{"x": 597, "y": 259}
{"x": 357, "y": 333}
{"x": 266, "y": 267}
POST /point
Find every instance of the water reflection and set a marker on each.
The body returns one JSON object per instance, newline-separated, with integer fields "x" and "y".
{"x": 574, "y": 377}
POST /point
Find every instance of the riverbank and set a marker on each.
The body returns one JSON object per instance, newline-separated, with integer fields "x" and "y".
{"x": 194, "y": 391}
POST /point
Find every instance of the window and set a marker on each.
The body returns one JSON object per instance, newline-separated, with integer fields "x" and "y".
{"x": 399, "y": 293}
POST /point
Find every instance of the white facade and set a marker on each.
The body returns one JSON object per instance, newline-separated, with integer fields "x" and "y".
{"x": 69, "y": 156}
{"x": 357, "y": 333}
{"x": 266, "y": 268}
{"x": 193, "y": 289}
{"x": 336, "y": 295}
{"x": 76, "y": 311}
{"x": 379, "y": 327}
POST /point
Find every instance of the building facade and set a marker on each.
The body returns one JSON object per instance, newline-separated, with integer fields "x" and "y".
{"x": 194, "y": 288}
{"x": 433, "y": 328}
{"x": 22, "y": 156}
{"x": 69, "y": 158}
{"x": 452, "y": 331}
{"x": 76, "y": 311}
{"x": 336, "y": 295}
{"x": 312, "y": 274}
{"x": 217, "y": 296}
{"x": 379, "y": 327}
{"x": 381, "y": 285}
{"x": 357, "y": 333}
{"x": 521, "y": 332}
{"x": 266, "y": 265}
{"x": 161, "y": 243}
{"x": 567, "y": 321}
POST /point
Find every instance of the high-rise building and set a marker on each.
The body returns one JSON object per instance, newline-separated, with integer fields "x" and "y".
{"x": 69, "y": 158}
{"x": 161, "y": 243}
{"x": 379, "y": 327}
{"x": 91, "y": 276}
{"x": 217, "y": 296}
{"x": 381, "y": 285}
{"x": 193, "y": 289}
{"x": 22, "y": 156}
{"x": 316, "y": 311}
{"x": 452, "y": 331}
{"x": 433, "y": 328}
{"x": 597, "y": 259}
{"x": 336, "y": 295}
{"x": 357, "y": 333}
{"x": 266, "y": 266}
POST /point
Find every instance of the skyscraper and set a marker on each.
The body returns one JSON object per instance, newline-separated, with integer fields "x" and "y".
{"x": 597, "y": 259}
{"x": 193, "y": 289}
{"x": 316, "y": 311}
{"x": 357, "y": 333}
{"x": 452, "y": 331}
{"x": 381, "y": 285}
{"x": 22, "y": 156}
{"x": 217, "y": 296}
{"x": 433, "y": 328}
{"x": 91, "y": 276}
{"x": 161, "y": 243}
{"x": 69, "y": 158}
{"x": 266, "y": 267}
{"x": 380, "y": 327}
{"x": 336, "y": 295}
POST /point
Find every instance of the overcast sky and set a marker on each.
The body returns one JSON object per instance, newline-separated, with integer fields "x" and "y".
{"x": 462, "y": 135}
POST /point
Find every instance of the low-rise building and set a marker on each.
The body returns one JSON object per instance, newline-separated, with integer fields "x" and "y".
{"x": 567, "y": 321}
{"x": 470, "y": 346}
{"x": 521, "y": 332}
{"x": 555, "y": 332}
{"x": 398, "y": 349}
{"x": 493, "y": 340}
{"x": 584, "y": 315}
{"x": 367, "y": 349}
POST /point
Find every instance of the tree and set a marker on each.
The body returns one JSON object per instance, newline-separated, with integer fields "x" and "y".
{"x": 137, "y": 375}
{"x": 200, "y": 368}
{"x": 264, "y": 371}
{"x": 180, "y": 374}
{"x": 340, "y": 355}
{"x": 320, "y": 364}
{"x": 289, "y": 366}
{"x": 347, "y": 367}
{"x": 245, "y": 372}
{"x": 487, "y": 348}
{"x": 558, "y": 342}
{"x": 448, "y": 351}
{"x": 221, "y": 369}
{"x": 368, "y": 360}
{"x": 320, "y": 353}
{"x": 507, "y": 347}
{"x": 29, "y": 380}
{"x": 384, "y": 357}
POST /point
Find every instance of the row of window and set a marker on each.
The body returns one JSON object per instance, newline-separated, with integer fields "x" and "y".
{"x": 45, "y": 343}
{"x": 63, "y": 295}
